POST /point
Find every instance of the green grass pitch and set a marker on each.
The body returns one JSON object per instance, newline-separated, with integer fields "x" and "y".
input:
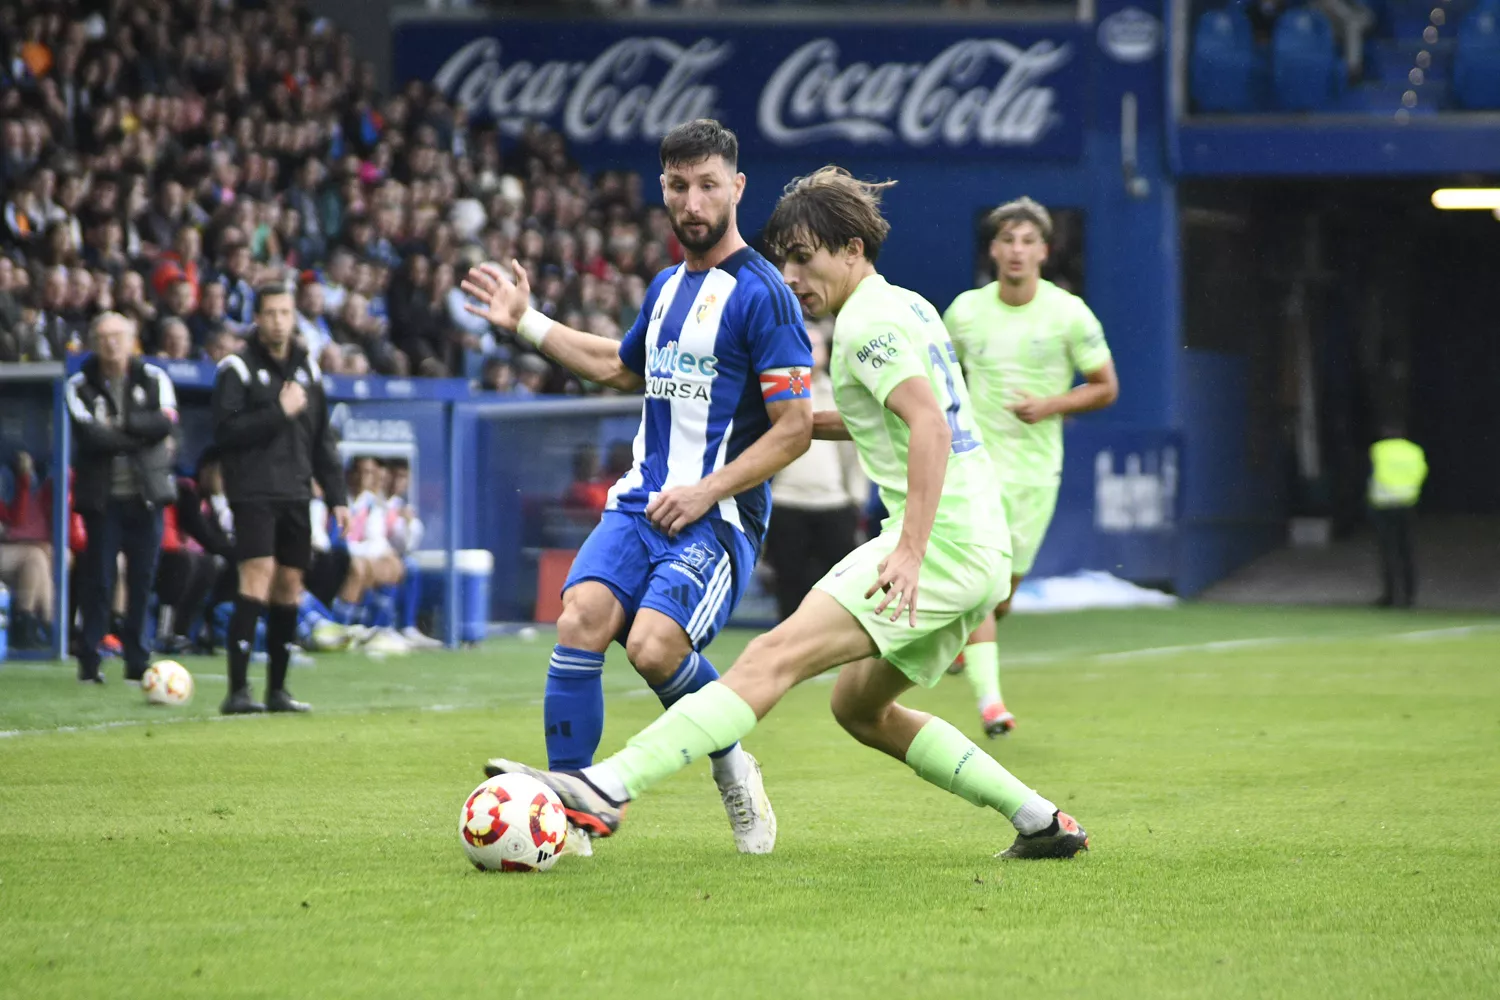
{"x": 1282, "y": 802}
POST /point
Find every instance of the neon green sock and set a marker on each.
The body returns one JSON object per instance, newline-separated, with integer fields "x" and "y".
{"x": 709, "y": 719}
{"x": 982, "y": 668}
{"x": 949, "y": 759}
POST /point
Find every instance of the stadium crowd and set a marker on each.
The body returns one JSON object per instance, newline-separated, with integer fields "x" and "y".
{"x": 163, "y": 158}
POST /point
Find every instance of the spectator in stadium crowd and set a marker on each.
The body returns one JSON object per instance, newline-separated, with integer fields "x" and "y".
{"x": 815, "y": 501}
{"x": 175, "y": 343}
{"x": 532, "y": 373}
{"x": 158, "y": 130}
{"x": 124, "y": 415}
{"x": 221, "y": 344}
{"x": 497, "y": 375}
{"x": 210, "y": 317}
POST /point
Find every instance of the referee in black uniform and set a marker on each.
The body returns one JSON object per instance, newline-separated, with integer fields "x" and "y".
{"x": 271, "y": 425}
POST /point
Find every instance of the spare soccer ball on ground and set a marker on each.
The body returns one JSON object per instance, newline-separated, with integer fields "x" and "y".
{"x": 167, "y": 682}
{"x": 513, "y": 823}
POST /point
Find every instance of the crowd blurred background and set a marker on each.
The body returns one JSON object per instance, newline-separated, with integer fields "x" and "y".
{"x": 164, "y": 158}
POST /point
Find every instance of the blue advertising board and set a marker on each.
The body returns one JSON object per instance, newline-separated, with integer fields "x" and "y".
{"x": 968, "y": 89}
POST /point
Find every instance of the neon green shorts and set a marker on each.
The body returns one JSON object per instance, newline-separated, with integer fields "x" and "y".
{"x": 1028, "y": 510}
{"x": 958, "y": 585}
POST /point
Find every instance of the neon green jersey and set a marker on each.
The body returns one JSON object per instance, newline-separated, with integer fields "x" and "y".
{"x": 1033, "y": 349}
{"x": 885, "y": 335}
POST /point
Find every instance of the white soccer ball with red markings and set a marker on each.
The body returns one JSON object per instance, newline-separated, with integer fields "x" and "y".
{"x": 513, "y": 823}
{"x": 167, "y": 682}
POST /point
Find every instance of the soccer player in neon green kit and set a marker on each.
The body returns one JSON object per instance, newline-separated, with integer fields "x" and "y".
{"x": 1020, "y": 339}
{"x": 897, "y": 610}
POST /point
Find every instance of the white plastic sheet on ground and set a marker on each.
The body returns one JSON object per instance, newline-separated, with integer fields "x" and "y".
{"x": 1084, "y": 590}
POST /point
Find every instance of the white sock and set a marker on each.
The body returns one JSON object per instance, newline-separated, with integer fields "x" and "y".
{"x": 733, "y": 767}
{"x": 604, "y": 778}
{"x": 1034, "y": 816}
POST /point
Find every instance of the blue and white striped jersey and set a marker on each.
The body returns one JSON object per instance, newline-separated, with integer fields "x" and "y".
{"x": 714, "y": 347}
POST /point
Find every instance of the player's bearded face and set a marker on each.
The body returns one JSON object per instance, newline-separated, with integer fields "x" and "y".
{"x": 700, "y": 202}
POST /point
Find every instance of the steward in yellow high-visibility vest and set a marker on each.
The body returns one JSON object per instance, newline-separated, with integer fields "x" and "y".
{"x": 1397, "y": 470}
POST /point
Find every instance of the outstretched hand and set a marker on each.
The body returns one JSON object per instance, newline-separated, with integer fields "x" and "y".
{"x": 501, "y": 301}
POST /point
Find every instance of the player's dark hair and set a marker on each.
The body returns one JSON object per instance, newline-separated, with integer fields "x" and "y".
{"x": 1023, "y": 209}
{"x": 697, "y": 140}
{"x": 828, "y": 208}
{"x": 264, "y": 291}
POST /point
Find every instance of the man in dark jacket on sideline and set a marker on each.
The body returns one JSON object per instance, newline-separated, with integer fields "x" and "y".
{"x": 124, "y": 416}
{"x": 271, "y": 426}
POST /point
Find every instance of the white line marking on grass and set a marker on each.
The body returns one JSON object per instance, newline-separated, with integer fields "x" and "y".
{"x": 1217, "y": 646}
{"x": 1457, "y": 632}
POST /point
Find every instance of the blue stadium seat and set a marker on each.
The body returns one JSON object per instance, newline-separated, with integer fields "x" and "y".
{"x": 1226, "y": 69}
{"x": 1306, "y": 72}
{"x": 1476, "y": 64}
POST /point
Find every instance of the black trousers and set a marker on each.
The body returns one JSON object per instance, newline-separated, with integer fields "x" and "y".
{"x": 129, "y": 526}
{"x": 803, "y": 545}
{"x": 183, "y": 582}
{"x": 1394, "y": 527}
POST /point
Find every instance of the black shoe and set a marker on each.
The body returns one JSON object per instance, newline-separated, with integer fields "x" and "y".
{"x": 90, "y": 675}
{"x": 134, "y": 675}
{"x": 281, "y": 700}
{"x": 174, "y": 645}
{"x": 1063, "y": 839}
{"x": 240, "y": 702}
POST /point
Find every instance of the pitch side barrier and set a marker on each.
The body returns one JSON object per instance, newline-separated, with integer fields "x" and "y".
{"x": 523, "y": 480}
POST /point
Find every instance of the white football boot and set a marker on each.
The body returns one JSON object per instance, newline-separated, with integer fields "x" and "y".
{"x": 418, "y": 640}
{"x": 578, "y": 842}
{"x": 750, "y": 814}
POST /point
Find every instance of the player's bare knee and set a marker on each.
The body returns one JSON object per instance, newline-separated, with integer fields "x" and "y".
{"x": 255, "y": 577}
{"x": 866, "y": 723}
{"x": 586, "y": 621}
{"x": 656, "y": 653}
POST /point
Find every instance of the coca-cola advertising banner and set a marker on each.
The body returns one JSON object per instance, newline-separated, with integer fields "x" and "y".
{"x": 887, "y": 89}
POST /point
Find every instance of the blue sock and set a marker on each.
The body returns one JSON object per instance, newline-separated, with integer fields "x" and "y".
{"x": 573, "y": 707}
{"x": 694, "y": 673}
{"x": 381, "y": 604}
{"x": 310, "y": 614}
{"x": 411, "y": 591}
{"x": 345, "y": 613}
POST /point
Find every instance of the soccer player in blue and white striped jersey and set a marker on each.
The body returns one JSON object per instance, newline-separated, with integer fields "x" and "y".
{"x": 721, "y": 351}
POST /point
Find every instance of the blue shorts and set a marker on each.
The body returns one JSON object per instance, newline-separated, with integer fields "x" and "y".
{"x": 695, "y": 579}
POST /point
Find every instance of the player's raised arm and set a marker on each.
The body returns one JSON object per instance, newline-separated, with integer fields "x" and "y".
{"x": 506, "y": 304}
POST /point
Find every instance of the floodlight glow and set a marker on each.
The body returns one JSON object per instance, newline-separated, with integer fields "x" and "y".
{"x": 1487, "y": 199}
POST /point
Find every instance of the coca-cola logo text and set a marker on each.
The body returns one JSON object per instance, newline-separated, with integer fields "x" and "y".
{"x": 944, "y": 101}
{"x": 983, "y": 92}
{"x": 611, "y": 97}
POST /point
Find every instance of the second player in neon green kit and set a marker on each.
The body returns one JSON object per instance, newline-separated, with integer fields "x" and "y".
{"x": 897, "y": 610}
{"x": 1021, "y": 339}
